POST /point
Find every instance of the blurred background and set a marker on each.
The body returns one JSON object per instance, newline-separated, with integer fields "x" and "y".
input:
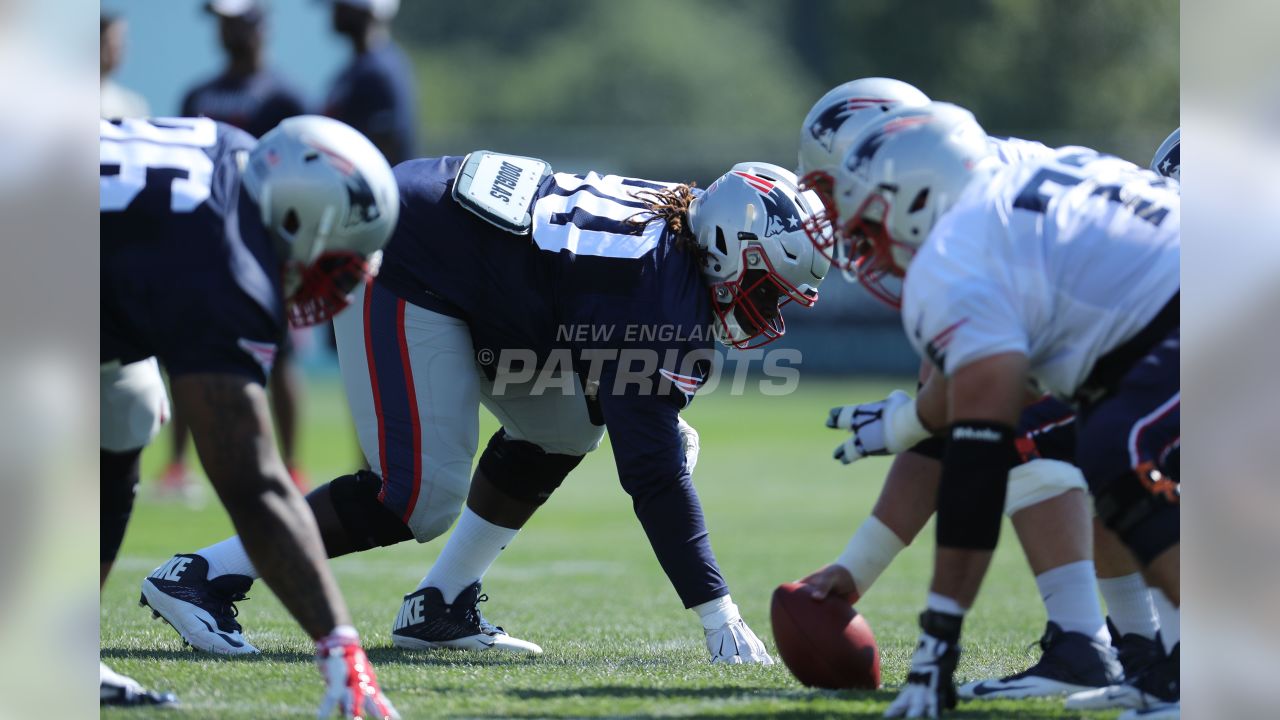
{"x": 679, "y": 91}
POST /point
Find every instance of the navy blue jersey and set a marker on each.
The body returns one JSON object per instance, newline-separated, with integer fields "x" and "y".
{"x": 254, "y": 103}
{"x": 374, "y": 94}
{"x": 588, "y": 286}
{"x": 189, "y": 274}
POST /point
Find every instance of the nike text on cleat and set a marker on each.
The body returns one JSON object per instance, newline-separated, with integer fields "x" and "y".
{"x": 122, "y": 690}
{"x": 425, "y": 622}
{"x": 203, "y": 611}
{"x": 1157, "y": 686}
{"x": 1070, "y": 662}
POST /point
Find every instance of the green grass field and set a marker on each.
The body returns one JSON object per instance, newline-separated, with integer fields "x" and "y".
{"x": 581, "y": 581}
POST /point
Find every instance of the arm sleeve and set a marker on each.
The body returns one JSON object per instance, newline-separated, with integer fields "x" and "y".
{"x": 646, "y": 446}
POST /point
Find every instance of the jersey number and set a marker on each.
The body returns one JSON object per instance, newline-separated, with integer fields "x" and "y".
{"x": 166, "y": 155}
{"x": 1048, "y": 182}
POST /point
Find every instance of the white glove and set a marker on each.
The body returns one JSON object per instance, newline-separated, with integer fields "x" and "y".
{"x": 735, "y": 644}
{"x": 886, "y": 427}
{"x": 689, "y": 438}
{"x": 351, "y": 686}
{"x": 930, "y": 687}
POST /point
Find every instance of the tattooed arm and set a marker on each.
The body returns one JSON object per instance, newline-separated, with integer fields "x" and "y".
{"x": 231, "y": 426}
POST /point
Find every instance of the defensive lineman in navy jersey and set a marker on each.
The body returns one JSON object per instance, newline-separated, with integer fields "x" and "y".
{"x": 208, "y": 242}
{"x": 566, "y": 305}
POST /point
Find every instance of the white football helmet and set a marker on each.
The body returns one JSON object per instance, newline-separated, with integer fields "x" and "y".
{"x": 1168, "y": 159}
{"x": 832, "y": 122}
{"x": 898, "y": 177}
{"x": 328, "y": 195}
{"x": 758, "y": 259}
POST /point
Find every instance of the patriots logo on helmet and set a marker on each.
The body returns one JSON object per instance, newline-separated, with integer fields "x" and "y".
{"x": 1172, "y": 161}
{"x": 781, "y": 212}
{"x": 364, "y": 207}
{"x": 823, "y": 128}
{"x": 868, "y": 148}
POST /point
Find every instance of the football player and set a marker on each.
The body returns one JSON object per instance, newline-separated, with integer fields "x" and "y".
{"x": 1150, "y": 689}
{"x": 209, "y": 241}
{"x": 566, "y": 304}
{"x": 1062, "y": 271}
{"x": 1046, "y": 502}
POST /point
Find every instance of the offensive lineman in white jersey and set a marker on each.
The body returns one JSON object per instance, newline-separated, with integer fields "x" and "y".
{"x": 1063, "y": 272}
{"x": 1045, "y": 502}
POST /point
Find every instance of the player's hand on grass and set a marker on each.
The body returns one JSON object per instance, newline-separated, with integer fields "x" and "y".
{"x": 690, "y": 441}
{"x": 834, "y": 579}
{"x": 735, "y": 644}
{"x": 351, "y": 686}
{"x": 885, "y": 427}
{"x": 930, "y": 686}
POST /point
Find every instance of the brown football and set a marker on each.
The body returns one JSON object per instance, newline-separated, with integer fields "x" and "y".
{"x": 825, "y": 643}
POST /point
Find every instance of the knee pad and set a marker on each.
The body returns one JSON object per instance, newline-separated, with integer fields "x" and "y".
{"x": 523, "y": 470}
{"x": 1039, "y": 480}
{"x": 134, "y": 406}
{"x": 368, "y": 522}
{"x": 119, "y": 484}
{"x": 1142, "y": 509}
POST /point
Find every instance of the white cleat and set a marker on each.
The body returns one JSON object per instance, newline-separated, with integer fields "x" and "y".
{"x": 203, "y": 611}
{"x": 426, "y": 622}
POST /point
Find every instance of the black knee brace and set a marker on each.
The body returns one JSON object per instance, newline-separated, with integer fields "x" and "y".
{"x": 523, "y": 470}
{"x": 1143, "y": 510}
{"x": 368, "y": 522}
{"x": 119, "y": 483}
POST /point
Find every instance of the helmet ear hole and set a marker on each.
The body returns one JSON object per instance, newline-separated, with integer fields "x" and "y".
{"x": 921, "y": 198}
{"x": 721, "y": 245}
{"x": 291, "y": 222}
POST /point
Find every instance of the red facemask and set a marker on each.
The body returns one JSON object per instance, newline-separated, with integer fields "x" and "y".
{"x": 326, "y": 287}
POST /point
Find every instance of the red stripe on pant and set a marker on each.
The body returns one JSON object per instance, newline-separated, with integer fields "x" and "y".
{"x": 373, "y": 383}
{"x": 413, "y": 411}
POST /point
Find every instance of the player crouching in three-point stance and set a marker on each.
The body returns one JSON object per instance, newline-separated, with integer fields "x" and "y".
{"x": 208, "y": 242}
{"x": 1062, "y": 271}
{"x": 566, "y": 305}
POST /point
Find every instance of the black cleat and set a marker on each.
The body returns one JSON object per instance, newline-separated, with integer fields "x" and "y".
{"x": 123, "y": 691}
{"x": 203, "y": 611}
{"x": 425, "y": 622}
{"x": 1070, "y": 662}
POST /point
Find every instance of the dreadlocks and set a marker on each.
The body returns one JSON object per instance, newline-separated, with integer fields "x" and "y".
{"x": 670, "y": 205}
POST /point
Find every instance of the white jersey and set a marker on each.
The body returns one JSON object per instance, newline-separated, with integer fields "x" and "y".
{"x": 1061, "y": 259}
{"x": 1011, "y": 151}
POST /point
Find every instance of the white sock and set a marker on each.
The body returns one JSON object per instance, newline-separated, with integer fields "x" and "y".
{"x": 1071, "y": 599}
{"x": 869, "y": 552}
{"x": 473, "y": 546}
{"x": 1129, "y": 605}
{"x": 1170, "y": 620}
{"x": 228, "y": 558}
{"x": 944, "y": 604}
{"x": 715, "y": 613}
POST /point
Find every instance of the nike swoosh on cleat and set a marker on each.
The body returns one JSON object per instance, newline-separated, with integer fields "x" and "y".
{"x": 981, "y": 689}
{"x": 230, "y": 640}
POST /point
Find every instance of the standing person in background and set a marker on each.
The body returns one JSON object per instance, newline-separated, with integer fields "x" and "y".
{"x": 117, "y": 101}
{"x": 374, "y": 93}
{"x": 250, "y": 96}
{"x": 246, "y": 94}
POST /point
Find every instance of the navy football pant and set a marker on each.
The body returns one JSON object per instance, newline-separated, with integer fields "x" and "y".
{"x": 1133, "y": 436}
